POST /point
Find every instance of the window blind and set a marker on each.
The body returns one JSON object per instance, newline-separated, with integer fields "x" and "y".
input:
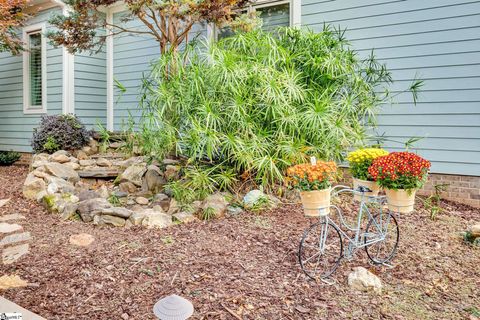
{"x": 35, "y": 71}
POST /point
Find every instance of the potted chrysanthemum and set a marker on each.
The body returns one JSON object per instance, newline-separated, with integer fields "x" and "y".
{"x": 314, "y": 181}
{"x": 401, "y": 174}
{"x": 360, "y": 160}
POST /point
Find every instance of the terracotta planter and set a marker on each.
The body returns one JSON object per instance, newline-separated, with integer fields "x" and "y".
{"x": 372, "y": 185}
{"x": 400, "y": 200}
{"x": 316, "y": 203}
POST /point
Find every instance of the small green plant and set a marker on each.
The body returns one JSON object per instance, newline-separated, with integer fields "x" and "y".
{"x": 181, "y": 193}
{"x": 51, "y": 145}
{"x": 114, "y": 200}
{"x": 433, "y": 202}
{"x": 8, "y": 157}
{"x": 207, "y": 213}
{"x": 167, "y": 240}
{"x": 105, "y": 137}
{"x": 263, "y": 203}
{"x": 469, "y": 238}
{"x": 473, "y": 311}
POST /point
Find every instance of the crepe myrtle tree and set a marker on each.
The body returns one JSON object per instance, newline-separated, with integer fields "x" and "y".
{"x": 167, "y": 21}
{"x": 12, "y": 16}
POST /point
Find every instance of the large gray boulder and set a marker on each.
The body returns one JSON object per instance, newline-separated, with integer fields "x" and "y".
{"x": 153, "y": 179}
{"x": 59, "y": 185}
{"x": 106, "y": 220}
{"x": 33, "y": 186}
{"x": 133, "y": 174}
{"x": 157, "y": 220}
{"x": 117, "y": 212}
{"x": 62, "y": 171}
{"x": 88, "y": 209}
{"x": 60, "y": 156}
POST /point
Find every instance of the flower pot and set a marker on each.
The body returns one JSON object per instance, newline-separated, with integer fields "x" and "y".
{"x": 400, "y": 200}
{"x": 372, "y": 185}
{"x": 316, "y": 203}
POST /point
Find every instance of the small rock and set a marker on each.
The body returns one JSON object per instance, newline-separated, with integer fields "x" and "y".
{"x": 9, "y": 227}
{"x": 153, "y": 179}
{"x": 39, "y": 164}
{"x": 61, "y": 185}
{"x": 106, "y": 220}
{"x": 73, "y": 165}
{"x": 160, "y": 197}
{"x": 15, "y": 238}
{"x": 157, "y": 220}
{"x": 133, "y": 174}
{"x": 62, "y": 171}
{"x": 475, "y": 230}
{"x": 116, "y": 145}
{"x": 59, "y": 157}
{"x": 171, "y": 172}
{"x": 68, "y": 210}
{"x": 363, "y": 280}
{"x": 40, "y": 173}
{"x": 128, "y": 187}
{"x": 170, "y": 162}
{"x": 102, "y": 162}
{"x": 252, "y": 198}
{"x": 173, "y": 207}
{"x": 87, "y": 194}
{"x": 89, "y": 208}
{"x": 117, "y": 212}
{"x": 40, "y": 157}
{"x": 87, "y": 163}
{"x": 217, "y": 202}
{"x": 81, "y": 155}
{"x": 234, "y": 210}
{"x": 12, "y": 254}
{"x": 9, "y": 282}
{"x": 120, "y": 194}
{"x": 184, "y": 217}
{"x": 158, "y": 208}
{"x": 4, "y": 202}
{"x": 103, "y": 192}
{"x": 81, "y": 239}
{"x": 33, "y": 186}
{"x": 73, "y": 160}
{"x": 141, "y": 200}
{"x": 11, "y": 217}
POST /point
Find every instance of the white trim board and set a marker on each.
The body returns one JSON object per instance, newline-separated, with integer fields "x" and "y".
{"x": 110, "y": 92}
{"x": 68, "y": 78}
{"x": 27, "y": 108}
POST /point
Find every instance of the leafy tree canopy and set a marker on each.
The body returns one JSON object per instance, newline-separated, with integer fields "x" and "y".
{"x": 12, "y": 16}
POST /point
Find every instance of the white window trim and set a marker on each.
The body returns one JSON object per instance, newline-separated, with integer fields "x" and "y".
{"x": 68, "y": 77}
{"x": 27, "y": 108}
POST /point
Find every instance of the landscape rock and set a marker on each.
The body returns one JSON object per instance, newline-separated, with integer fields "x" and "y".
{"x": 60, "y": 185}
{"x": 62, "y": 171}
{"x": 59, "y": 156}
{"x": 116, "y": 145}
{"x": 217, "y": 202}
{"x": 81, "y": 155}
{"x": 40, "y": 173}
{"x": 184, "y": 217}
{"x": 106, "y": 220}
{"x": 87, "y": 194}
{"x": 171, "y": 172}
{"x": 81, "y": 239}
{"x": 128, "y": 187}
{"x": 10, "y": 282}
{"x": 160, "y": 197}
{"x": 170, "y": 162}
{"x": 234, "y": 210}
{"x": 87, "y": 162}
{"x": 11, "y": 217}
{"x": 157, "y": 220}
{"x": 15, "y": 238}
{"x": 9, "y": 227}
{"x": 92, "y": 207}
{"x": 475, "y": 230}
{"x": 102, "y": 162}
{"x": 117, "y": 212}
{"x": 361, "y": 279}
{"x": 103, "y": 192}
{"x": 141, "y": 200}
{"x": 173, "y": 207}
{"x": 133, "y": 174}
{"x": 153, "y": 179}
{"x": 130, "y": 161}
{"x": 33, "y": 186}
{"x": 68, "y": 210}
{"x": 12, "y": 254}
{"x": 73, "y": 165}
{"x": 40, "y": 157}
{"x": 98, "y": 172}
{"x": 4, "y": 202}
{"x": 120, "y": 194}
{"x": 253, "y": 197}
{"x": 39, "y": 164}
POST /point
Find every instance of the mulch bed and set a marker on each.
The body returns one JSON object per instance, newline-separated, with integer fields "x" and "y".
{"x": 236, "y": 268}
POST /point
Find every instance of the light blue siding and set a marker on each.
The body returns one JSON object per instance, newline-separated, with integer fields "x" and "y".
{"x": 133, "y": 55}
{"x": 15, "y": 127}
{"x": 437, "y": 40}
{"x": 91, "y": 88}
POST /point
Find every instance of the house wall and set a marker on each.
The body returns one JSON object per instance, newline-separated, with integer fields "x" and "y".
{"x": 437, "y": 40}
{"x": 133, "y": 55}
{"x": 91, "y": 88}
{"x": 16, "y": 127}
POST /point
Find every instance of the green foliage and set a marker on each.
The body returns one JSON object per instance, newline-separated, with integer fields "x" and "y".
{"x": 51, "y": 145}
{"x": 470, "y": 239}
{"x": 114, "y": 200}
{"x": 359, "y": 170}
{"x": 433, "y": 202}
{"x": 207, "y": 213}
{"x": 8, "y": 157}
{"x": 258, "y": 102}
{"x": 105, "y": 137}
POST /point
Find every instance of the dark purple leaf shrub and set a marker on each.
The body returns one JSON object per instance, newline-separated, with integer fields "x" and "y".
{"x": 60, "y": 132}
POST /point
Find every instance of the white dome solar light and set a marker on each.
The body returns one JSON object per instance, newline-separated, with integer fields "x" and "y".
{"x": 173, "y": 307}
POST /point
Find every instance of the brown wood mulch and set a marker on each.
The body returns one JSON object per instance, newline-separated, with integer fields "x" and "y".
{"x": 236, "y": 268}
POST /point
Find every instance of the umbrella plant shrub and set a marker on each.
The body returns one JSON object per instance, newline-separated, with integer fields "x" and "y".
{"x": 258, "y": 102}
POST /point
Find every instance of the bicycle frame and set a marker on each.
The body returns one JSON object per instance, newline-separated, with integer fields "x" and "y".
{"x": 358, "y": 241}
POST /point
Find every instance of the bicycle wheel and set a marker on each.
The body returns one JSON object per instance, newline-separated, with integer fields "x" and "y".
{"x": 382, "y": 225}
{"x": 320, "y": 250}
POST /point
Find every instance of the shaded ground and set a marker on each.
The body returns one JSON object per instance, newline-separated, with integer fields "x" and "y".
{"x": 244, "y": 266}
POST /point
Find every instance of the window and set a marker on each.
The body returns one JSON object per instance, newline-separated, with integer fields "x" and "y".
{"x": 34, "y": 70}
{"x": 274, "y": 14}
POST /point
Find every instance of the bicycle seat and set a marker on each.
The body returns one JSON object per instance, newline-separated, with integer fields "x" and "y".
{"x": 363, "y": 189}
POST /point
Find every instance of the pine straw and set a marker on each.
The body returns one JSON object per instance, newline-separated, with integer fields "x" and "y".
{"x": 235, "y": 268}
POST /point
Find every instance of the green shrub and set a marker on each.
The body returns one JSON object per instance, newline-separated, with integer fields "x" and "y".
{"x": 258, "y": 102}
{"x": 8, "y": 157}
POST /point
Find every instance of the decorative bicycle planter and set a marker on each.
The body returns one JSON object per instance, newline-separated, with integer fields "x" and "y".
{"x": 321, "y": 248}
